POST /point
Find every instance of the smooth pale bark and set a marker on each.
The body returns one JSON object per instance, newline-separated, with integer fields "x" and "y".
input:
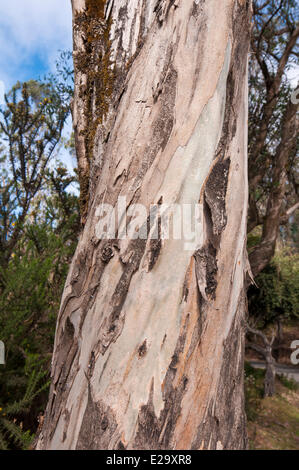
{"x": 150, "y": 337}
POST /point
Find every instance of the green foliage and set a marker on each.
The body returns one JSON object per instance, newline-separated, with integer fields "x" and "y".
{"x": 39, "y": 226}
{"x": 277, "y": 292}
{"x": 254, "y": 238}
{"x": 23, "y": 165}
{"x": 31, "y": 122}
{"x": 254, "y": 389}
{"x": 32, "y": 285}
{"x": 274, "y": 52}
{"x": 31, "y": 125}
{"x": 291, "y": 384}
{"x": 12, "y": 434}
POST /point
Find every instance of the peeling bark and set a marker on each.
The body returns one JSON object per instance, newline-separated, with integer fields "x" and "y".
{"x": 149, "y": 344}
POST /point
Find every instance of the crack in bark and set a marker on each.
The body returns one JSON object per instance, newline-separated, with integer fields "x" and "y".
{"x": 206, "y": 271}
{"x": 215, "y": 193}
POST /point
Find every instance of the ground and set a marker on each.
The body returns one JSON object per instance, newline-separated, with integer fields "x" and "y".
{"x": 273, "y": 422}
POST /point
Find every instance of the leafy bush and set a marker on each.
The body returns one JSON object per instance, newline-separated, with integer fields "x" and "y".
{"x": 11, "y": 424}
{"x": 277, "y": 292}
{"x": 32, "y": 284}
{"x": 39, "y": 226}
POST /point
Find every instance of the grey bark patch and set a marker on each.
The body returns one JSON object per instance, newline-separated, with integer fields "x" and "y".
{"x": 163, "y": 125}
{"x": 79, "y": 273}
{"x": 113, "y": 322}
{"x": 148, "y": 425}
{"x": 82, "y": 296}
{"x": 65, "y": 348}
{"x": 215, "y": 193}
{"x": 156, "y": 432}
{"x": 230, "y": 119}
{"x": 142, "y": 29}
{"x": 227, "y": 424}
{"x": 65, "y": 366}
{"x": 67, "y": 417}
{"x": 91, "y": 364}
{"x": 185, "y": 292}
{"x": 206, "y": 271}
{"x": 98, "y": 426}
{"x": 195, "y": 10}
{"x": 155, "y": 248}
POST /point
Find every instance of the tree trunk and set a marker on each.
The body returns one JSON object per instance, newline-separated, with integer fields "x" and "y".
{"x": 269, "y": 384}
{"x": 278, "y": 341}
{"x": 149, "y": 343}
{"x": 267, "y": 353}
{"x": 264, "y": 251}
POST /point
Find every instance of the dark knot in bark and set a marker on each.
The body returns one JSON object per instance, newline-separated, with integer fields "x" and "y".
{"x": 107, "y": 254}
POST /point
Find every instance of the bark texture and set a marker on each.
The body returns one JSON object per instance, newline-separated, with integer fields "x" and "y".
{"x": 150, "y": 337}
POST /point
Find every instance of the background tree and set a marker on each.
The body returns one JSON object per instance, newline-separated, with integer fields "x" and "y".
{"x": 265, "y": 350}
{"x": 275, "y": 297}
{"x": 31, "y": 287}
{"x": 273, "y": 171}
{"x": 39, "y": 225}
{"x": 273, "y": 126}
{"x": 31, "y": 123}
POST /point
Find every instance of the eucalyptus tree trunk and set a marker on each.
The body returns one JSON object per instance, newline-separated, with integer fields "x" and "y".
{"x": 150, "y": 335}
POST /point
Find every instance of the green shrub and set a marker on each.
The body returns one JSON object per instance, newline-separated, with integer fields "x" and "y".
{"x": 277, "y": 292}
{"x": 12, "y": 434}
{"x": 32, "y": 285}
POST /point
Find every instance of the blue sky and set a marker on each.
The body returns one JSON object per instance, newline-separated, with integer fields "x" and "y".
{"x": 31, "y": 33}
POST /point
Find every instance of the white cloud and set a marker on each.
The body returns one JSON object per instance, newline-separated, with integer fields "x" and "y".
{"x": 32, "y": 28}
{"x": 37, "y": 21}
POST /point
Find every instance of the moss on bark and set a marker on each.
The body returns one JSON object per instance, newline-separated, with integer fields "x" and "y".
{"x": 94, "y": 62}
